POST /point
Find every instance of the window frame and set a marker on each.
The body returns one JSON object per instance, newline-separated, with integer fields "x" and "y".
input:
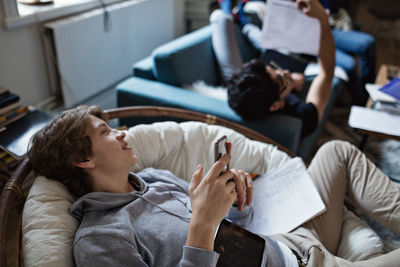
{"x": 11, "y": 18}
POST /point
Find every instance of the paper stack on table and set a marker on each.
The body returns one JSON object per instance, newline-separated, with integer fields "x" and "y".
{"x": 374, "y": 120}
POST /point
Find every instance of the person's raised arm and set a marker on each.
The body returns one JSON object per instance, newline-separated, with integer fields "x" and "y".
{"x": 320, "y": 87}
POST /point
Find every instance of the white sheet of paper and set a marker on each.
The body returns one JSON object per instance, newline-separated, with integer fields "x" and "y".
{"x": 374, "y": 120}
{"x": 284, "y": 199}
{"x": 287, "y": 27}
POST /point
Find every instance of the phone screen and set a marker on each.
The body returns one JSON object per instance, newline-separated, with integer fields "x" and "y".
{"x": 220, "y": 148}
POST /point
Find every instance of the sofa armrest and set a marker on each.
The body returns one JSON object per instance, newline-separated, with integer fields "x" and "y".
{"x": 186, "y": 59}
{"x": 144, "y": 68}
{"x": 137, "y": 91}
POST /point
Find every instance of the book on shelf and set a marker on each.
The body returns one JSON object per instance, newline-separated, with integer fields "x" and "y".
{"x": 7, "y": 99}
{"x": 10, "y": 107}
{"x": 13, "y": 115}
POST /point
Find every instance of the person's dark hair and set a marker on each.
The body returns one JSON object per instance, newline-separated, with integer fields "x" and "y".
{"x": 63, "y": 141}
{"x": 251, "y": 91}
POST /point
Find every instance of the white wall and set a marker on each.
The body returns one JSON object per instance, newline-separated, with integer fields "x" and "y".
{"x": 22, "y": 67}
{"x": 22, "y": 62}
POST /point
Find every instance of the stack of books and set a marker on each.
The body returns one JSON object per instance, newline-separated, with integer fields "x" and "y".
{"x": 11, "y": 108}
{"x": 197, "y": 12}
{"x": 387, "y": 97}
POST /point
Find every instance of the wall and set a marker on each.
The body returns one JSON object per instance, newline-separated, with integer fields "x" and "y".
{"x": 22, "y": 67}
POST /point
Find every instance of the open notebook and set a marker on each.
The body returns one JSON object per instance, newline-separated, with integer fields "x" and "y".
{"x": 284, "y": 199}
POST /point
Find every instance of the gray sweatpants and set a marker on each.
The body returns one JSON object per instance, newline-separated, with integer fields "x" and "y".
{"x": 340, "y": 170}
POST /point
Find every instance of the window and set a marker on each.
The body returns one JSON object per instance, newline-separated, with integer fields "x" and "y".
{"x": 17, "y": 13}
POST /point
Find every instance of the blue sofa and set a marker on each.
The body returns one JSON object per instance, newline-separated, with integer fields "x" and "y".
{"x": 159, "y": 80}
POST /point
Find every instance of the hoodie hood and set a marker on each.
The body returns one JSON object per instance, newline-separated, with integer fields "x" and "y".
{"x": 102, "y": 201}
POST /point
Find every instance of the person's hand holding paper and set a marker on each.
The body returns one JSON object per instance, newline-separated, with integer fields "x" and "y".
{"x": 292, "y": 26}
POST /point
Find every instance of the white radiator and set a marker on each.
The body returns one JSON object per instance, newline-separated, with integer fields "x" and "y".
{"x": 84, "y": 59}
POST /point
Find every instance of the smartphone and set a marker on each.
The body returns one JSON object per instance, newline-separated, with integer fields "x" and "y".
{"x": 221, "y": 148}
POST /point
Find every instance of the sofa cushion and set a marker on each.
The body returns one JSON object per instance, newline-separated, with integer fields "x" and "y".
{"x": 186, "y": 59}
{"x": 191, "y": 57}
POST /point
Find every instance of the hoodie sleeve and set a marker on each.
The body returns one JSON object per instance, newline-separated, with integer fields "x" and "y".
{"x": 197, "y": 257}
{"x": 110, "y": 251}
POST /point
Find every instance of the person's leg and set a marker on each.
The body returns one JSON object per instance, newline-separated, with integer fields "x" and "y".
{"x": 348, "y": 63}
{"x": 322, "y": 258}
{"x": 339, "y": 169}
{"x": 224, "y": 43}
{"x": 361, "y": 44}
{"x": 355, "y": 43}
{"x": 226, "y": 6}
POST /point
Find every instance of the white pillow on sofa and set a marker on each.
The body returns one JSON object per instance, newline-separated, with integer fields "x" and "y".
{"x": 48, "y": 228}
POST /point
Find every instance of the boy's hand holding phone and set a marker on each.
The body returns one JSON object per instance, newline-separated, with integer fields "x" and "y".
{"x": 243, "y": 181}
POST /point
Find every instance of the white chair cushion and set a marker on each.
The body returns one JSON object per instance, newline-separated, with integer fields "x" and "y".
{"x": 358, "y": 241}
{"x": 48, "y": 228}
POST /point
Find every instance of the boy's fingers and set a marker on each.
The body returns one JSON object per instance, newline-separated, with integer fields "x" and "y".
{"x": 196, "y": 178}
{"x": 240, "y": 189}
{"x": 249, "y": 189}
{"x": 219, "y": 165}
{"x": 228, "y": 147}
{"x": 226, "y": 177}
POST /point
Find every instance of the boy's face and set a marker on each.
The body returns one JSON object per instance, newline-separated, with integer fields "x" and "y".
{"x": 109, "y": 150}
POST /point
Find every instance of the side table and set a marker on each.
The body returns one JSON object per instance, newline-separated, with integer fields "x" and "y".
{"x": 385, "y": 74}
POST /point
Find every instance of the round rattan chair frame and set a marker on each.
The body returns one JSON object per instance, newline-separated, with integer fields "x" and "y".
{"x": 12, "y": 191}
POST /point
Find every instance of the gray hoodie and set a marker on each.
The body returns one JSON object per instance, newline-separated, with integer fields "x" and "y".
{"x": 146, "y": 227}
